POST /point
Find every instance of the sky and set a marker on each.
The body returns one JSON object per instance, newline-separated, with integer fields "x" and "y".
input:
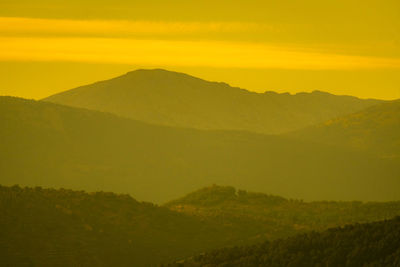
{"x": 344, "y": 47}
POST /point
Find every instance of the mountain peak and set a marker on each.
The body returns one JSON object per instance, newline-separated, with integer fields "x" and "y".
{"x": 159, "y": 73}
{"x": 154, "y": 71}
{"x": 176, "y": 99}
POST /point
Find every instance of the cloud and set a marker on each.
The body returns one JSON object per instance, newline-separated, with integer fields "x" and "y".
{"x": 181, "y": 53}
{"x": 27, "y": 26}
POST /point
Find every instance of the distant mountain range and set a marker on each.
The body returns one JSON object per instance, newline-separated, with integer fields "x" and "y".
{"x": 157, "y": 135}
{"x": 176, "y": 99}
{"x": 373, "y": 130}
{"x": 57, "y": 146}
{"x": 47, "y": 227}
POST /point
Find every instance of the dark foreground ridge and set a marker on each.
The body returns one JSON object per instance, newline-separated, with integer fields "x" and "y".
{"x": 47, "y": 227}
{"x": 371, "y": 244}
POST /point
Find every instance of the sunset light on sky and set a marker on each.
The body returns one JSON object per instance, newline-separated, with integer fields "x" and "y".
{"x": 256, "y": 48}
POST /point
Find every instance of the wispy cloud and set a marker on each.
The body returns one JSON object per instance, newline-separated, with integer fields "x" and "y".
{"x": 180, "y": 53}
{"x": 150, "y": 43}
{"x": 24, "y": 26}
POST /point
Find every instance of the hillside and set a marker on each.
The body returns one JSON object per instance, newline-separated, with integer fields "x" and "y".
{"x": 57, "y": 146}
{"x": 271, "y": 217}
{"x": 371, "y": 244}
{"x": 48, "y": 227}
{"x": 375, "y": 129}
{"x": 176, "y": 99}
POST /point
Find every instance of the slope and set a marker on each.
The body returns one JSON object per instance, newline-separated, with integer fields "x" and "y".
{"x": 47, "y": 227}
{"x": 374, "y": 130}
{"x": 371, "y": 244}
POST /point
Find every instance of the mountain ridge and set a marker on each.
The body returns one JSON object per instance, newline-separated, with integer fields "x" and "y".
{"x": 177, "y": 99}
{"x": 375, "y": 130}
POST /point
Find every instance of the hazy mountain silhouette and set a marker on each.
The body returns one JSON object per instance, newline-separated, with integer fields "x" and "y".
{"x": 370, "y": 244}
{"x": 176, "y": 99}
{"x": 52, "y": 145}
{"x": 374, "y": 130}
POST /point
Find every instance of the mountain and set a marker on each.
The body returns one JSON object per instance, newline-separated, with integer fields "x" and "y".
{"x": 371, "y": 244}
{"x": 176, "y": 99}
{"x": 48, "y": 227}
{"x": 271, "y": 217}
{"x": 375, "y": 130}
{"x": 52, "y": 145}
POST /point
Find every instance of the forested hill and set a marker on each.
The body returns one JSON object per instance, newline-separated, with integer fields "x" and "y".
{"x": 272, "y": 217}
{"x": 370, "y": 244}
{"x": 47, "y": 227}
{"x": 176, "y": 99}
{"x": 51, "y": 145}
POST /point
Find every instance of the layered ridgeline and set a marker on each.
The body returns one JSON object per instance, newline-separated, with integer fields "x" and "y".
{"x": 47, "y": 227}
{"x": 371, "y": 244}
{"x": 375, "y": 130}
{"x": 51, "y": 145}
{"x": 270, "y": 217}
{"x": 176, "y": 99}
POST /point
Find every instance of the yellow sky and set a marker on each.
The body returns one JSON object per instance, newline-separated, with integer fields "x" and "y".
{"x": 181, "y": 53}
{"x": 306, "y": 46}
